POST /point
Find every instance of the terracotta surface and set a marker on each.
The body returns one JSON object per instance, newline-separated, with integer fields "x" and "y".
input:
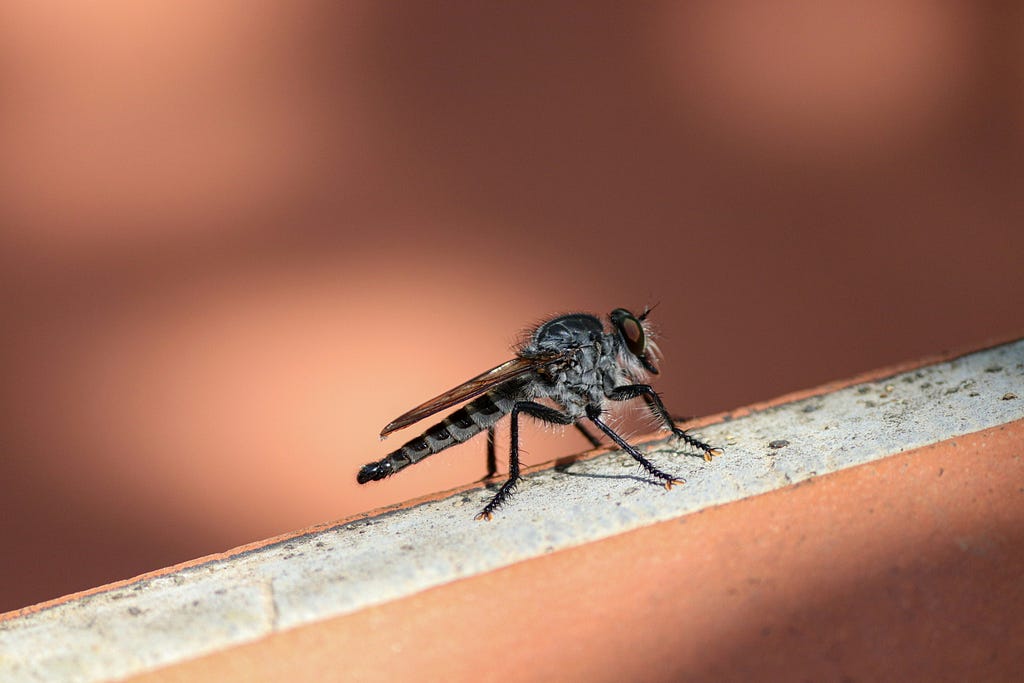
{"x": 905, "y": 569}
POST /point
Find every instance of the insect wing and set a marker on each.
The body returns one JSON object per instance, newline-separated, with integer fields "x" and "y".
{"x": 469, "y": 389}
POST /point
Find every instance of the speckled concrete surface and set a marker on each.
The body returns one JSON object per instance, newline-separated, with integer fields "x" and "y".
{"x": 903, "y": 569}
{"x": 225, "y": 601}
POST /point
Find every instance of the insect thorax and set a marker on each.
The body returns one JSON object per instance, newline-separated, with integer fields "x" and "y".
{"x": 589, "y": 371}
{"x": 566, "y": 332}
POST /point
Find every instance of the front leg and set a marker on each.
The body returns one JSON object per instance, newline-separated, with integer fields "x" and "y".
{"x": 630, "y": 391}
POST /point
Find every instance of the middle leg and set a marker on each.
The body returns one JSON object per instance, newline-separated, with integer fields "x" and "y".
{"x": 594, "y": 413}
{"x": 629, "y": 391}
{"x": 594, "y": 441}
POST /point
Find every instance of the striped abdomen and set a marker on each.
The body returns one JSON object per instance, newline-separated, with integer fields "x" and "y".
{"x": 468, "y": 421}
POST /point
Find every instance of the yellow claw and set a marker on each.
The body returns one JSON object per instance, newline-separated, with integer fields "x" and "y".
{"x": 672, "y": 482}
{"x": 714, "y": 452}
{"x": 485, "y": 517}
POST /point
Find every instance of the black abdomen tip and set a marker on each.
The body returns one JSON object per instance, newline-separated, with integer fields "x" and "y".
{"x": 373, "y": 472}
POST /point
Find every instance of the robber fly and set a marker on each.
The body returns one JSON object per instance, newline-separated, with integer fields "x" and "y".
{"x": 570, "y": 361}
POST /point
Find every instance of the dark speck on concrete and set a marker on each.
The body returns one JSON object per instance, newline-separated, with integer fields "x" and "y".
{"x": 778, "y": 443}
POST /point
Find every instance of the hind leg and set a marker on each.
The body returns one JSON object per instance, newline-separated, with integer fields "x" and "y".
{"x": 537, "y": 411}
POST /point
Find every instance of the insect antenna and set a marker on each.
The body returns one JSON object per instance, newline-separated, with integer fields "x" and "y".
{"x": 647, "y": 310}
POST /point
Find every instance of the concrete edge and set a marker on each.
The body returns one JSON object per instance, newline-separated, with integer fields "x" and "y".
{"x": 336, "y": 568}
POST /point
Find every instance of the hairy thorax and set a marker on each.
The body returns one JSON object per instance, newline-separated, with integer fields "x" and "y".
{"x": 582, "y": 379}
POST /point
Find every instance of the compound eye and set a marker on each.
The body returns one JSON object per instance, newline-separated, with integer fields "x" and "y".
{"x": 633, "y": 333}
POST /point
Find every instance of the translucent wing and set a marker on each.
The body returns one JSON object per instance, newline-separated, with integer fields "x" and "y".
{"x": 470, "y": 388}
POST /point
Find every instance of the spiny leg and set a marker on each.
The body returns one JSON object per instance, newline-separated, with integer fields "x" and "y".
{"x": 594, "y": 413}
{"x": 535, "y": 410}
{"x": 629, "y": 391}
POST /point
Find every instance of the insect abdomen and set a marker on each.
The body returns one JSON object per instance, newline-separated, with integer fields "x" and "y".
{"x": 464, "y": 423}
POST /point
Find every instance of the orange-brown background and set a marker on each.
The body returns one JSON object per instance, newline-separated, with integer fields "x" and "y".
{"x": 236, "y": 240}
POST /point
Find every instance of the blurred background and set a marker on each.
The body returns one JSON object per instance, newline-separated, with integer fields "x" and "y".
{"x": 238, "y": 238}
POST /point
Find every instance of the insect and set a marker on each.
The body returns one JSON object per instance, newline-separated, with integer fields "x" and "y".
{"x": 569, "y": 361}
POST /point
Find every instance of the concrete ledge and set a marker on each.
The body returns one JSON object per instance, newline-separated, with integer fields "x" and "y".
{"x": 906, "y": 569}
{"x": 322, "y": 574}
